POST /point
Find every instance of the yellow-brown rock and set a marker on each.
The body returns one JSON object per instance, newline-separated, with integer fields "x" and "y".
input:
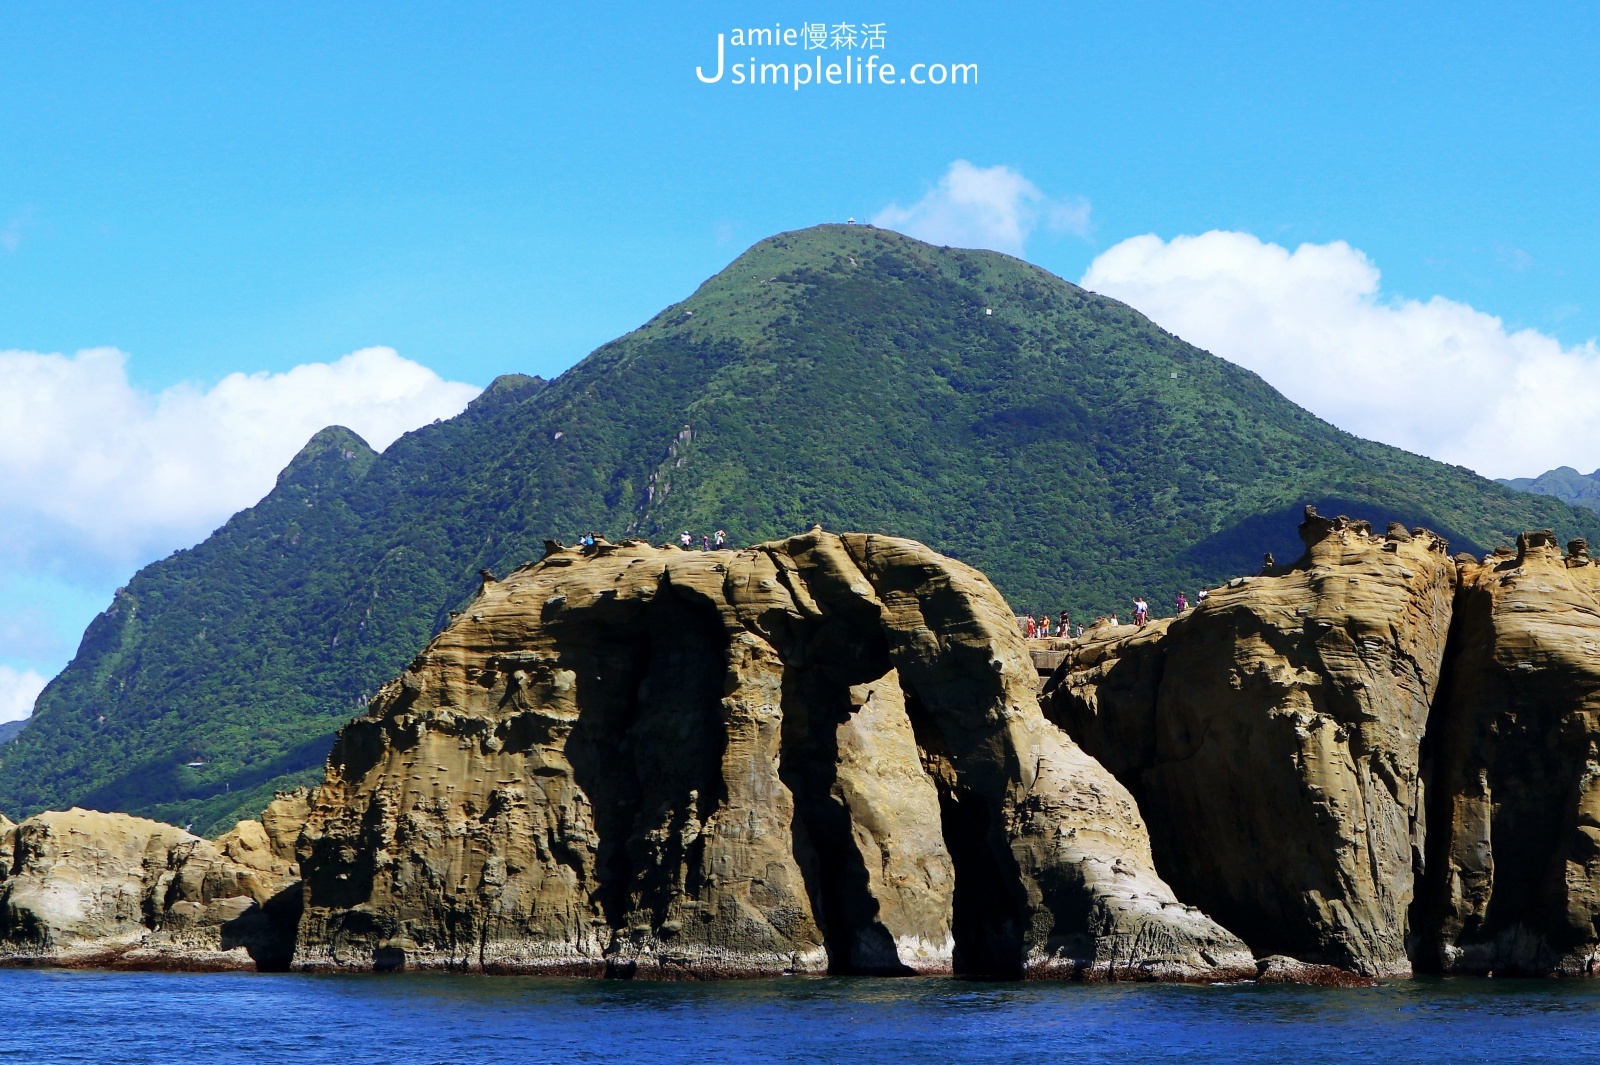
{"x": 86, "y": 888}
{"x": 1272, "y": 738}
{"x": 267, "y": 845}
{"x": 1517, "y": 840}
{"x": 819, "y": 754}
{"x": 283, "y": 820}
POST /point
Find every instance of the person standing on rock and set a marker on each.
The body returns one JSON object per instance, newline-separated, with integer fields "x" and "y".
{"x": 686, "y": 541}
{"x": 1066, "y": 626}
{"x": 1141, "y": 612}
{"x": 705, "y": 542}
{"x": 1183, "y": 602}
{"x": 721, "y": 540}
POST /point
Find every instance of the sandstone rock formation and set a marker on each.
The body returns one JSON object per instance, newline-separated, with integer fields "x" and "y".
{"x": 1517, "y": 821}
{"x": 85, "y": 888}
{"x": 1272, "y": 739}
{"x": 827, "y": 754}
{"x": 824, "y": 753}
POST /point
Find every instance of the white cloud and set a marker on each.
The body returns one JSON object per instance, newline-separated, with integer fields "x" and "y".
{"x": 984, "y": 207}
{"x": 11, "y": 235}
{"x": 94, "y": 471}
{"x": 18, "y": 689}
{"x": 1435, "y": 377}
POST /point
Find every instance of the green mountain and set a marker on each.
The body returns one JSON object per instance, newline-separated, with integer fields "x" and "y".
{"x": 10, "y": 729}
{"x": 845, "y": 375}
{"x": 1563, "y": 483}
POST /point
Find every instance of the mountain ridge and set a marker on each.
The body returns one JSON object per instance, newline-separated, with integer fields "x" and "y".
{"x": 1563, "y": 483}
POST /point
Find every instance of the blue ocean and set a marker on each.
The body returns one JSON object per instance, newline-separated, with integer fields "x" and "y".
{"x": 130, "y": 1018}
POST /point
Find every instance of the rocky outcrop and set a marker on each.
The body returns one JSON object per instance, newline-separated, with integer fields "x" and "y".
{"x": 820, "y": 754}
{"x": 1517, "y": 819}
{"x": 85, "y": 888}
{"x": 1272, "y": 739}
{"x": 826, "y": 754}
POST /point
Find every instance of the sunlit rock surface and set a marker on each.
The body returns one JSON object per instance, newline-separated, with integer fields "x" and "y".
{"x": 85, "y": 888}
{"x": 1272, "y": 738}
{"x": 820, "y": 754}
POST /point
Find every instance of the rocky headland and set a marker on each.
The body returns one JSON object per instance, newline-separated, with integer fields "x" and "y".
{"x": 1337, "y": 756}
{"x": 831, "y": 754}
{"x": 819, "y": 754}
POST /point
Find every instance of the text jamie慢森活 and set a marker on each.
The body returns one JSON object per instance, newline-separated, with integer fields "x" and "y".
{"x": 847, "y": 68}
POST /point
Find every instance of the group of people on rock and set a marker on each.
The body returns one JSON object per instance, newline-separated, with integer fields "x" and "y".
{"x": 717, "y": 541}
{"x": 1040, "y": 628}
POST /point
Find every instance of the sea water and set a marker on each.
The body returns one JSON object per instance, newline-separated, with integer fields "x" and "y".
{"x": 132, "y": 1018}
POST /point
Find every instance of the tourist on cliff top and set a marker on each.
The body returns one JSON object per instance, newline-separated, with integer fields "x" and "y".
{"x": 1066, "y": 625}
{"x": 1183, "y": 602}
{"x": 1200, "y": 599}
{"x": 705, "y": 542}
{"x": 721, "y": 539}
{"x": 1141, "y": 612}
{"x": 686, "y": 541}
{"x": 1080, "y": 628}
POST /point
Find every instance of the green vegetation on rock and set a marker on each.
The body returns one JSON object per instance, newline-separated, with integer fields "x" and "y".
{"x": 846, "y": 375}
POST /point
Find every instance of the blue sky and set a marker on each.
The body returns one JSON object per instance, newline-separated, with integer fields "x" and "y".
{"x": 500, "y": 187}
{"x": 215, "y": 190}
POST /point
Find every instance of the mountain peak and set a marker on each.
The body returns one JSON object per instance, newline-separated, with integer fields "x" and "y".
{"x": 507, "y": 388}
{"x": 335, "y": 444}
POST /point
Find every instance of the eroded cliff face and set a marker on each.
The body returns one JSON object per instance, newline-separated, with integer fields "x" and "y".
{"x": 85, "y": 888}
{"x": 1517, "y": 822}
{"x": 821, "y": 754}
{"x": 826, "y": 754}
{"x": 1272, "y": 738}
